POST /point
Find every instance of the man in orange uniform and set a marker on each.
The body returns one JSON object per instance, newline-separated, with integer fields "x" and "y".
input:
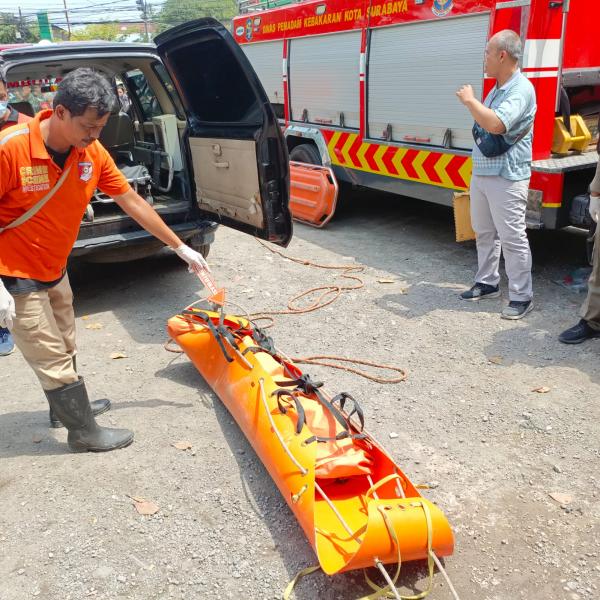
{"x": 57, "y": 158}
{"x": 8, "y": 117}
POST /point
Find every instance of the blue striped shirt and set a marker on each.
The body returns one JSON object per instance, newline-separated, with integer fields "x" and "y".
{"x": 515, "y": 105}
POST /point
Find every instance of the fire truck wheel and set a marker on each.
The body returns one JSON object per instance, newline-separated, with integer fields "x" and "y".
{"x": 306, "y": 153}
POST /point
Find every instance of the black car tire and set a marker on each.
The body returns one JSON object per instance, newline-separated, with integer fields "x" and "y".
{"x": 204, "y": 249}
{"x": 306, "y": 153}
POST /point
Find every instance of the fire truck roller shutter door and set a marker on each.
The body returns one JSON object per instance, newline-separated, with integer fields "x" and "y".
{"x": 414, "y": 72}
{"x": 324, "y": 78}
{"x": 267, "y": 60}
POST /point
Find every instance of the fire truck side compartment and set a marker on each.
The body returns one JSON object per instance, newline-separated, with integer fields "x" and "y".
{"x": 375, "y": 92}
{"x": 324, "y": 79}
{"x": 412, "y": 84}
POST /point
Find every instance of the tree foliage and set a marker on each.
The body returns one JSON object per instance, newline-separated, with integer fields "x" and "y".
{"x": 14, "y": 32}
{"x": 175, "y": 12}
{"x": 109, "y": 32}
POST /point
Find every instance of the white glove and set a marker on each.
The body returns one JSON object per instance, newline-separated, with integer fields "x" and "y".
{"x": 195, "y": 260}
{"x": 7, "y": 307}
{"x": 595, "y": 207}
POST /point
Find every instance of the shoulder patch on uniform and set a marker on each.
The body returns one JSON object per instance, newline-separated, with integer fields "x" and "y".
{"x": 12, "y": 134}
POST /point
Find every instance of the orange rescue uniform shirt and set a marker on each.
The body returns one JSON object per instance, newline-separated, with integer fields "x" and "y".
{"x": 39, "y": 248}
{"x": 15, "y": 118}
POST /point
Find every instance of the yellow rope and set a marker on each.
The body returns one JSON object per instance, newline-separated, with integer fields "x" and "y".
{"x": 380, "y": 592}
{"x": 290, "y": 586}
{"x": 386, "y": 592}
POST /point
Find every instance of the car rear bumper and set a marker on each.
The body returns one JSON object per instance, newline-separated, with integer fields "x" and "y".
{"x": 202, "y": 231}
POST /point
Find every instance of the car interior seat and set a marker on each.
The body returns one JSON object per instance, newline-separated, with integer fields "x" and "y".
{"x": 118, "y": 137}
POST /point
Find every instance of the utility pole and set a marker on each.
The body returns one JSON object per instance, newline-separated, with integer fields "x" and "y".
{"x": 143, "y": 6}
{"x": 20, "y": 28}
{"x": 67, "y": 17}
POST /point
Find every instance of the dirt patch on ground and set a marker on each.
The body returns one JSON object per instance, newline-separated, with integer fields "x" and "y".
{"x": 515, "y": 470}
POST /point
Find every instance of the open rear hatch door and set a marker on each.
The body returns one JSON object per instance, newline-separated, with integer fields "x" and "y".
{"x": 236, "y": 147}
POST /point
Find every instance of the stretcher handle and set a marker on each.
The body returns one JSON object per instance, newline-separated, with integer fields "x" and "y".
{"x": 381, "y": 482}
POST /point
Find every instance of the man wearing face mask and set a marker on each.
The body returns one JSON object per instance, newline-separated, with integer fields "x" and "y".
{"x": 8, "y": 117}
{"x": 49, "y": 169}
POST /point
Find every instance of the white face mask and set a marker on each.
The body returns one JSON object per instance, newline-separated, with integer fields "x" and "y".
{"x": 3, "y": 107}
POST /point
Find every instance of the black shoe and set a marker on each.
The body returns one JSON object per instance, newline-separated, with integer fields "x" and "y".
{"x": 71, "y": 405}
{"x": 517, "y": 309}
{"x": 578, "y": 333}
{"x": 481, "y": 291}
{"x": 98, "y": 407}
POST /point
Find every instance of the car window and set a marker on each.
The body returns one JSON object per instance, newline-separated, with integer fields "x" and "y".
{"x": 32, "y": 95}
{"x": 164, "y": 76}
{"x": 140, "y": 88}
{"x": 218, "y": 92}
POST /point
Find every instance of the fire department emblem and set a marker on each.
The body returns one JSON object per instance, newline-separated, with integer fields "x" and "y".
{"x": 85, "y": 171}
{"x": 441, "y": 8}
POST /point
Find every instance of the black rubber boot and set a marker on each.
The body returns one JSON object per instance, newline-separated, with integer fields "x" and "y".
{"x": 98, "y": 406}
{"x": 71, "y": 405}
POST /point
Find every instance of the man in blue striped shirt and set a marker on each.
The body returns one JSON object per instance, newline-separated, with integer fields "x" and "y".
{"x": 500, "y": 184}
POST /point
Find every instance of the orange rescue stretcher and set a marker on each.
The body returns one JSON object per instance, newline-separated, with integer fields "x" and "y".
{"x": 313, "y": 193}
{"x": 357, "y": 508}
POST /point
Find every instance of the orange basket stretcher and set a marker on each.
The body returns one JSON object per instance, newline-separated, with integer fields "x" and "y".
{"x": 313, "y": 193}
{"x": 355, "y": 505}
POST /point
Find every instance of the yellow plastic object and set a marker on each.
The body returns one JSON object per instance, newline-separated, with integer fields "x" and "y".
{"x": 371, "y": 512}
{"x": 462, "y": 217}
{"x": 578, "y": 140}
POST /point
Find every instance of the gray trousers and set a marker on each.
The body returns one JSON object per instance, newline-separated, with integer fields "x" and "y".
{"x": 590, "y": 311}
{"x": 498, "y": 218}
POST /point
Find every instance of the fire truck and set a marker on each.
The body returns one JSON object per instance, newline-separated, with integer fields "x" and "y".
{"x": 367, "y": 87}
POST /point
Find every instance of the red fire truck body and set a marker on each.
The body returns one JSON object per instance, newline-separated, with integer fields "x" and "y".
{"x": 368, "y": 88}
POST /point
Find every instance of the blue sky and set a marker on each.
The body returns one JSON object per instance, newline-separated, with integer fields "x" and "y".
{"x": 79, "y": 10}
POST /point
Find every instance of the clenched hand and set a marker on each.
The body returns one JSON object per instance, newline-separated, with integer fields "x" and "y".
{"x": 465, "y": 94}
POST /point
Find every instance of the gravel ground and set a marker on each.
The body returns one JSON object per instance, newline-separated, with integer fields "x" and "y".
{"x": 467, "y": 422}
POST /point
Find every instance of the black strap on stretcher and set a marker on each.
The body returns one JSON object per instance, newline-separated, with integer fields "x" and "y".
{"x": 264, "y": 343}
{"x": 285, "y": 397}
{"x": 310, "y": 387}
{"x": 216, "y": 331}
{"x": 303, "y": 384}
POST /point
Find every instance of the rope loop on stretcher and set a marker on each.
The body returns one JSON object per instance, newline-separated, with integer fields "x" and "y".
{"x": 390, "y": 591}
{"x": 261, "y": 385}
